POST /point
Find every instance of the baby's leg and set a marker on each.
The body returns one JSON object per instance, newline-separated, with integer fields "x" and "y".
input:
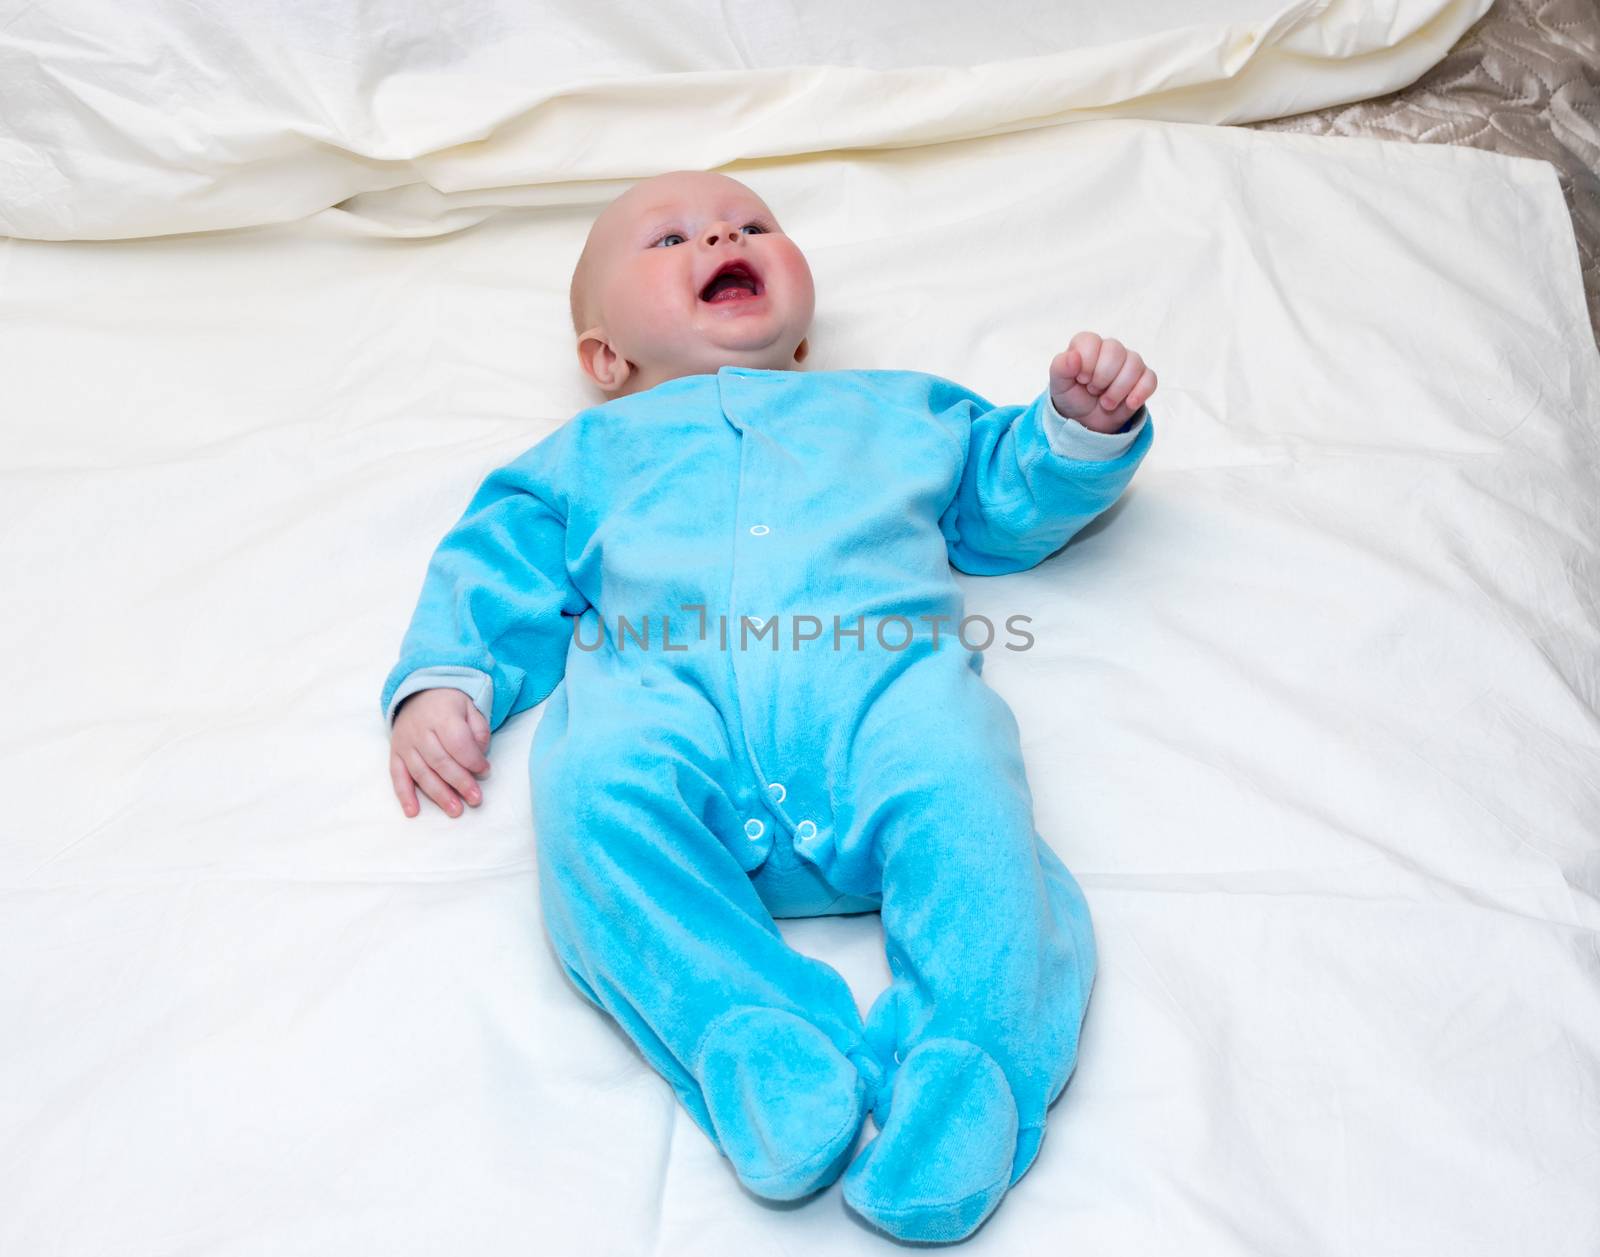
{"x": 989, "y": 939}
{"x": 656, "y": 922}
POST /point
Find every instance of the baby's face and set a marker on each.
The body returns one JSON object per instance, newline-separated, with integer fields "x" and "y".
{"x": 686, "y": 273}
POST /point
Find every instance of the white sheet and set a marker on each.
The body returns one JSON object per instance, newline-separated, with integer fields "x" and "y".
{"x": 168, "y": 116}
{"x": 1312, "y": 716}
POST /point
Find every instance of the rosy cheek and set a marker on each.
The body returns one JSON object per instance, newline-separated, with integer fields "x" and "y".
{"x": 794, "y": 270}
{"x": 800, "y": 280}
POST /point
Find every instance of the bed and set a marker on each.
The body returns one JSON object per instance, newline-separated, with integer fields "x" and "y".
{"x": 1313, "y": 712}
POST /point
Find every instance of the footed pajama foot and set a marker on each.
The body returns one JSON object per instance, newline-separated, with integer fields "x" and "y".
{"x": 786, "y": 1104}
{"x": 943, "y": 1160}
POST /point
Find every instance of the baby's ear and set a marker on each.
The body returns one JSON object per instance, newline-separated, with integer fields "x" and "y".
{"x": 600, "y": 362}
{"x": 801, "y": 350}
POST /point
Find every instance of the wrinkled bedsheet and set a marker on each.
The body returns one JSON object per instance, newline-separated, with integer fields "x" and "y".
{"x": 1525, "y": 81}
{"x": 1311, "y": 714}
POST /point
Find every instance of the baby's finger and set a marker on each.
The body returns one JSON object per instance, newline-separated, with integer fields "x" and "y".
{"x": 1119, "y": 388}
{"x": 1140, "y": 393}
{"x": 443, "y": 763}
{"x": 431, "y": 785}
{"x": 1088, "y": 346}
{"x": 463, "y": 747}
{"x": 480, "y": 730}
{"x": 1112, "y": 355}
{"x": 404, "y": 790}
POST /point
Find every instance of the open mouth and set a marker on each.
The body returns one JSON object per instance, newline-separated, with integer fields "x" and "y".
{"x": 733, "y": 281}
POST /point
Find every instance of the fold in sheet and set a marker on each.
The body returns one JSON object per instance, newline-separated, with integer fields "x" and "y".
{"x": 172, "y": 117}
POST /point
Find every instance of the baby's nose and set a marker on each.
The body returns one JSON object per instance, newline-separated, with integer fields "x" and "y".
{"x": 719, "y": 231}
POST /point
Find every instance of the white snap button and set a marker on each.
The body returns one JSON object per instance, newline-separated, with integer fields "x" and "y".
{"x": 897, "y": 1056}
{"x": 805, "y": 830}
{"x": 753, "y": 829}
{"x": 778, "y": 793}
{"x": 759, "y": 530}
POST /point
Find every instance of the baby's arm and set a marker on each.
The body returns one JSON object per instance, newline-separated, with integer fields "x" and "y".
{"x": 489, "y": 636}
{"x": 1035, "y": 475}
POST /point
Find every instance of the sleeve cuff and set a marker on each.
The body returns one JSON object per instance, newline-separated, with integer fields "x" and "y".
{"x": 1070, "y": 439}
{"x": 478, "y": 686}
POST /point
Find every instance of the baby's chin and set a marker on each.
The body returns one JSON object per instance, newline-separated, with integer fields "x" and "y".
{"x": 774, "y": 349}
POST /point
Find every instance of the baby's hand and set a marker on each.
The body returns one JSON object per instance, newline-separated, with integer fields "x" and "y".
{"x": 438, "y": 742}
{"x": 1100, "y": 383}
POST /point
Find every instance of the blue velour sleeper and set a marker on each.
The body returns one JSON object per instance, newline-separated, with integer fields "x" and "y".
{"x": 703, "y": 580}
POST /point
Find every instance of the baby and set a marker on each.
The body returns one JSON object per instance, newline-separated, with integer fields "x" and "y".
{"x": 732, "y": 583}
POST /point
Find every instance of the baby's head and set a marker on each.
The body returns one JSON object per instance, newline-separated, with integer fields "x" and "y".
{"x": 647, "y": 304}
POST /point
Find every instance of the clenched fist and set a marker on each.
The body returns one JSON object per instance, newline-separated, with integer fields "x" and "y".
{"x": 1100, "y": 383}
{"x": 438, "y": 743}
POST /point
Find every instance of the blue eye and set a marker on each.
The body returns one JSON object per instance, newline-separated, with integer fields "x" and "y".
{"x": 757, "y": 226}
{"x": 671, "y": 235}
